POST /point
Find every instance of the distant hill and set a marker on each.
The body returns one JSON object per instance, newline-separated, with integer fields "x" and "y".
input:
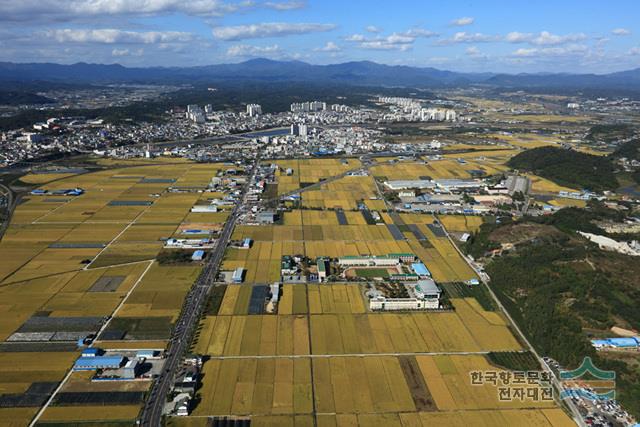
{"x": 23, "y": 98}
{"x": 365, "y": 73}
{"x": 568, "y": 167}
{"x": 630, "y": 150}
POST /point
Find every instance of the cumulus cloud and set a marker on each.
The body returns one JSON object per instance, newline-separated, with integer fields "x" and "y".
{"x": 268, "y": 29}
{"x": 248, "y": 51}
{"x": 464, "y": 37}
{"x": 544, "y": 38}
{"x": 72, "y": 9}
{"x": 127, "y": 52}
{"x": 420, "y": 32}
{"x": 461, "y": 22}
{"x": 620, "y": 32}
{"x": 373, "y": 29}
{"x": 285, "y": 5}
{"x": 111, "y": 36}
{"x": 396, "y": 41}
{"x": 634, "y": 51}
{"x": 574, "y": 49}
{"x": 329, "y": 47}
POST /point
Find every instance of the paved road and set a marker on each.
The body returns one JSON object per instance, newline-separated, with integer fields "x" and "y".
{"x": 188, "y": 320}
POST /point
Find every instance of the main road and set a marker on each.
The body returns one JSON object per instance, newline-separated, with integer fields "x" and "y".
{"x": 189, "y": 317}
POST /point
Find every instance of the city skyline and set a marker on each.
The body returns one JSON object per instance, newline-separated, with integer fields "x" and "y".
{"x": 568, "y": 36}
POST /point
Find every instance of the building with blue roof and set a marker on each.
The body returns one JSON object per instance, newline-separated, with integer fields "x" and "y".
{"x": 91, "y": 352}
{"x": 197, "y": 255}
{"x": 630, "y": 342}
{"x": 98, "y": 362}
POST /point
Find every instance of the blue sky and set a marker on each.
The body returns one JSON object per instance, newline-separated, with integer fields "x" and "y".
{"x": 490, "y": 35}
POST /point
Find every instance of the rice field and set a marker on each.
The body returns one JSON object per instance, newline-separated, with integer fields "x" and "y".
{"x": 80, "y": 257}
{"x": 310, "y": 171}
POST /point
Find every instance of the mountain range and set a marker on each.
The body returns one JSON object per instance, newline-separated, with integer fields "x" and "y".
{"x": 364, "y": 73}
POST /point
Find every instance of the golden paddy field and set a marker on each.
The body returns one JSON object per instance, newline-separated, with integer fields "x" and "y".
{"x": 57, "y": 247}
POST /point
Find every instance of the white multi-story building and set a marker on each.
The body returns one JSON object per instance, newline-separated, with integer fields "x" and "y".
{"x": 305, "y": 107}
{"x": 423, "y": 295}
{"x": 254, "y": 110}
{"x": 437, "y": 115}
{"x": 372, "y": 261}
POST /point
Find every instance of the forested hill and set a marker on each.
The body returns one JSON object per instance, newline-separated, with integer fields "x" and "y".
{"x": 563, "y": 290}
{"x": 629, "y": 150}
{"x": 568, "y": 167}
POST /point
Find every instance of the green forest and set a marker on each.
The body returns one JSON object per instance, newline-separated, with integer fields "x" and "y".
{"x": 563, "y": 291}
{"x": 568, "y": 167}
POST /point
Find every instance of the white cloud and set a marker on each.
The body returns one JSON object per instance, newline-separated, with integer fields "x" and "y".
{"x": 472, "y": 51}
{"x": 329, "y": 47}
{"x": 355, "y": 38}
{"x": 248, "y": 51}
{"x": 464, "y": 37}
{"x": 461, "y": 22}
{"x": 517, "y": 37}
{"x": 285, "y": 5}
{"x": 73, "y": 9}
{"x": 396, "y": 41}
{"x": 111, "y": 36}
{"x": 126, "y": 52}
{"x": 620, "y": 32}
{"x": 634, "y": 51}
{"x": 373, "y": 29}
{"x": 268, "y": 29}
{"x": 571, "y": 50}
{"x": 545, "y": 38}
{"x": 420, "y": 32}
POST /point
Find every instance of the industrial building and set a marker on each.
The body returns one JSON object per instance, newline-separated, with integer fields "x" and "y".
{"x": 93, "y": 363}
{"x": 458, "y": 184}
{"x": 197, "y": 255}
{"x": 266, "y": 217}
{"x": 617, "y": 343}
{"x": 246, "y": 243}
{"x": 238, "y": 275}
{"x": 131, "y": 369}
{"x": 410, "y": 184}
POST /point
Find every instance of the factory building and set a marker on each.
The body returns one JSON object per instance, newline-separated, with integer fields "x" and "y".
{"x": 131, "y": 369}
{"x": 93, "y": 363}
{"x": 409, "y": 184}
{"x": 238, "y": 275}
{"x": 197, "y": 255}
{"x": 620, "y": 343}
{"x": 266, "y": 217}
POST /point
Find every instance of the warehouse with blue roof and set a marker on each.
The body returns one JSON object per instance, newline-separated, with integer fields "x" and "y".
{"x": 93, "y": 363}
{"x": 630, "y": 342}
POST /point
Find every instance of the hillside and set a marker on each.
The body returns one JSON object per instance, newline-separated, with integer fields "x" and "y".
{"x": 563, "y": 291}
{"x": 22, "y": 98}
{"x": 568, "y": 167}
